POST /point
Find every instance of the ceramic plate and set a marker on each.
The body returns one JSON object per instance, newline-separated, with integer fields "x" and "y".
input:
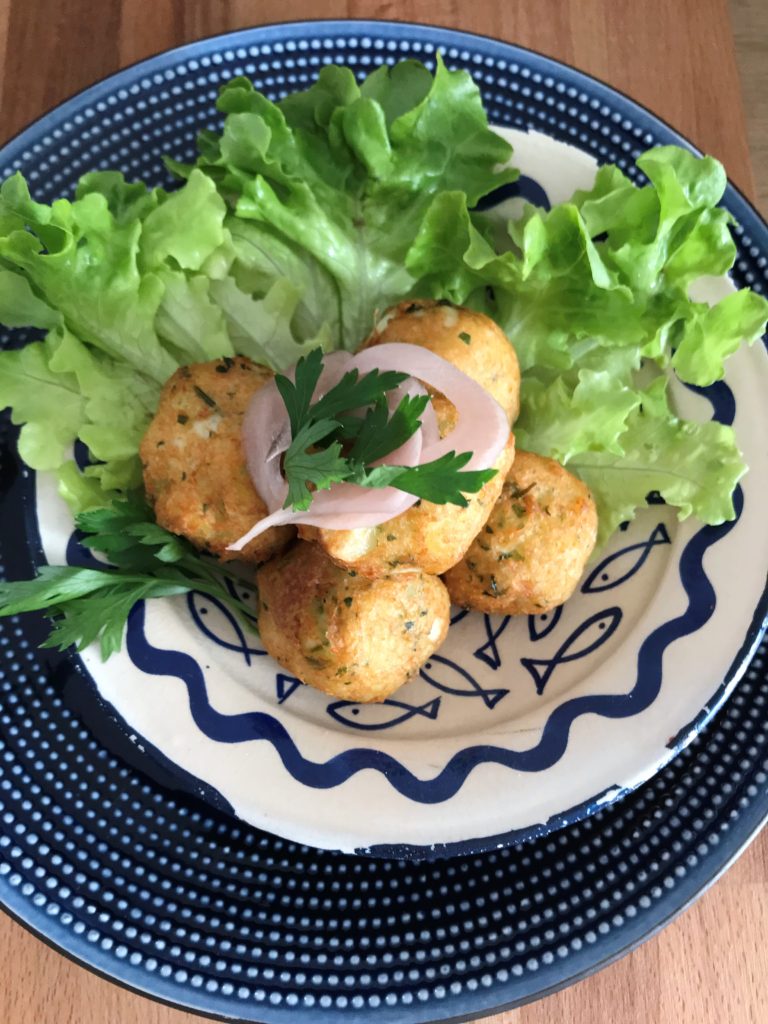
{"x": 517, "y": 724}
{"x": 147, "y": 884}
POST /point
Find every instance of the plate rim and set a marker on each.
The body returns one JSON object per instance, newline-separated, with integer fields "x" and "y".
{"x": 752, "y": 818}
{"x": 753, "y": 630}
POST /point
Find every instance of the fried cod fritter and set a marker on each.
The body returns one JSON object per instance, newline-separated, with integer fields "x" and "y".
{"x": 195, "y": 473}
{"x": 428, "y": 537}
{"x": 530, "y": 555}
{"x": 470, "y": 341}
{"x": 351, "y": 637}
{"x": 434, "y": 537}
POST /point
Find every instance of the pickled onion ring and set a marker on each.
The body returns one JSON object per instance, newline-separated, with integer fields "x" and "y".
{"x": 482, "y": 429}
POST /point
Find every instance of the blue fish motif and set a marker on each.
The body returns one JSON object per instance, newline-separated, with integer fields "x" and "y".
{"x": 285, "y": 686}
{"x": 542, "y": 625}
{"x": 380, "y": 716}
{"x": 489, "y": 652}
{"x": 461, "y": 684}
{"x": 458, "y": 615}
{"x": 227, "y": 633}
{"x": 241, "y": 592}
{"x": 590, "y": 635}
{"x": 621, "y": 565}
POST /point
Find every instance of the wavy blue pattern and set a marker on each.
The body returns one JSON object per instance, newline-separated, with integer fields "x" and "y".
{"x": 525, "y": 187}
{"x": 78, "y": 554}
{"x": 550, "y": 748}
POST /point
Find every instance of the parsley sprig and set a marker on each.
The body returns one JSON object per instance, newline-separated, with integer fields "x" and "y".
{"x": 89, "y": 604}
{"x": 338, "y": 438}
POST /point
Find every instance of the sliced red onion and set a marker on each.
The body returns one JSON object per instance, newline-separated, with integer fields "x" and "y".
{"x": 266, "y": 434}
{"x": 360, "y": 507}
{"x": 482, "y": 429}
{"x": 267, "y": 430}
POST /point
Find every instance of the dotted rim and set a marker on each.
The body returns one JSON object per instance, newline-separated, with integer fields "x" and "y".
{"x": 683, "y": 847}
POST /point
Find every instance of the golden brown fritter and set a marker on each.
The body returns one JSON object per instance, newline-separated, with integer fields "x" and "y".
{"x": 428, "y": 537}
{"x": 531, "y": 553}
{"x": 351, "y": 637}
{"x": 470, "y": 341}
{"x": 434, "y": 537}
{"x": 194, "y": 466}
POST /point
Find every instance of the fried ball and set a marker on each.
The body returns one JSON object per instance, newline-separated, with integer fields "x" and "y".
{"x": 469, "y": 340}
{"x": 348, "y": 636}
{"x": 428, "y": 537}
{"x": 194, "y": 466}
{"x": 532, "y": 551}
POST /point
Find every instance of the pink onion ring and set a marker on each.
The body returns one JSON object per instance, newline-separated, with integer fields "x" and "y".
{"x": 482, "y": 429}
{"x": 267, "y": 430}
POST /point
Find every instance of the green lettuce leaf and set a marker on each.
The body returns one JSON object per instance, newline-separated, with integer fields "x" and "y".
{"x": 261, "y": 328}
{"x": 562, "y": 419}
{"x": 62, "y": 391}
{"x": 693, "y": 466}
{"x": 342, "y": 175}
{"x": 713, "y": 333}
{"x": 594, "y": 295}
{"x": 301, "y": 220}
{"x": 49, "y": 405}
{"x": 84, "y": 264}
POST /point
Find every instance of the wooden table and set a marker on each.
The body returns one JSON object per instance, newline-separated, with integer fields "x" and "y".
{"x": 678, "y": 59}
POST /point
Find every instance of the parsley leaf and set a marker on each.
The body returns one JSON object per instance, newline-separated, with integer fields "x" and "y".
{"x": 380, "y": 434}
{"x": 147, "y": 561}
{"x": 297, "y": 394}
{"x": 441, "y": 481}
{"x": 354, "y": 391}
{"x": 342, "y": 435}
{"x": 322, "y": 467}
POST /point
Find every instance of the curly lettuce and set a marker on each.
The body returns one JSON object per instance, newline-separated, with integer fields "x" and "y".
{"x": 289, "y": 234}
{"x": 301, "y": 220}
{"x": 595, "y": 296}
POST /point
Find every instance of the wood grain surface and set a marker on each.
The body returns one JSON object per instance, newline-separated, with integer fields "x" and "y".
{"x": 678, "y": 59}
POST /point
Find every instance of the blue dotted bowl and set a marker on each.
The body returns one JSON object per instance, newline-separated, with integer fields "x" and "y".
{"x": 135, "y": 878}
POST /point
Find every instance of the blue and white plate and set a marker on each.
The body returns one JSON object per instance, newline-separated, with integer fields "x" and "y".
{"x": 514, "y": 728}
{"x": 517, "y": 724}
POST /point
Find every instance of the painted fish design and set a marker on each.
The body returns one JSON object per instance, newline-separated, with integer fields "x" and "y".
{"x": 621, "y": 565}
{"x": 217, "y": 622}
{"x": 285, "y": 686}
{"x": 542, "y": 625}
{"x": 380, "y": 716}
{"x": 524, "y": 187}
{"x": 457, "y": 681}
{"x": 489, "y": 652}
{"x": 590, "y": 635}
{"x": 458, "y": 614}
